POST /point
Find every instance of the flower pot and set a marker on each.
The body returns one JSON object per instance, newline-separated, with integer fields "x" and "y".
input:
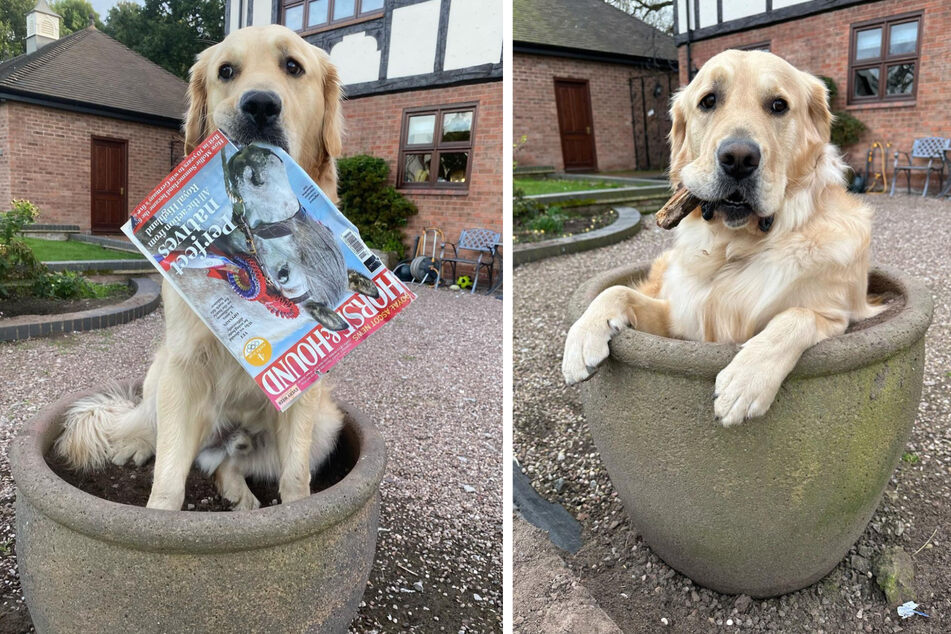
{"x": 90, "y": 565}
{"x": 772, "y": 505}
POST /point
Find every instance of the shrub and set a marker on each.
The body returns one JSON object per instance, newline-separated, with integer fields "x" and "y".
{"x": 17, "y": 261}
{"x": 372, "y": 204}
{"x": 846, "y": 129}
{"x": 551, "y": 221}
{"x": 524, "y": 209}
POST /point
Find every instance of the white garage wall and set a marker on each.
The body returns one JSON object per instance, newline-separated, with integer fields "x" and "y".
{"x": 474, "y": 36}
{"x": 413, "y": 40}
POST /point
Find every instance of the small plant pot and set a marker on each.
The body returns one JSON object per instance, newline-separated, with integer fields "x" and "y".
{"x": 772, "y": 505}
{"x": 90, "y": 565}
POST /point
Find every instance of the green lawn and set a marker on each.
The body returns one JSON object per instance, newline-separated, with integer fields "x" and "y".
{"x": 58, "y": 250}
{"x": 533, "y": 186}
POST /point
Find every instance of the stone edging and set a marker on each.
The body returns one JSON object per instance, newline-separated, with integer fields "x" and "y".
{"x": 627, "y": 224}
{"x": 144, "y": 301}
{"x": 100, "y": 265}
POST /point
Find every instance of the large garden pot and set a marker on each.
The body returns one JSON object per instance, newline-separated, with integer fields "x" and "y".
{"x": 772, "y": 505}
{"x": 90, "y": 565}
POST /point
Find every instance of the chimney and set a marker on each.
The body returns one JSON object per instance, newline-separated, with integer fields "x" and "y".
{"x": 42, "y": 26}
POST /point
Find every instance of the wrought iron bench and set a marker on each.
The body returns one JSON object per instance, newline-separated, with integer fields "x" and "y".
{"x": 482, "y": 243}
{"x": 930, "y": 148}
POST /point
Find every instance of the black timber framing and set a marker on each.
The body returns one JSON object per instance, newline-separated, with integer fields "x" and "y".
{"x": 769, "y": 17}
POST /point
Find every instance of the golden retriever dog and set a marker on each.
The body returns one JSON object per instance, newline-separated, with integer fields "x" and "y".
{"x": 259, "y": 84}
{"x": 776, "y": 256}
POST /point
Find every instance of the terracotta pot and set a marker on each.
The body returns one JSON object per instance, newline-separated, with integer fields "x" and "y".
{"x": 90, "y": 565}
{"x": 772, "y": 505}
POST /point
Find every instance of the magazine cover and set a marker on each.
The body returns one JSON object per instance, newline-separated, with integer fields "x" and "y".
{"x": 267, "y": 261}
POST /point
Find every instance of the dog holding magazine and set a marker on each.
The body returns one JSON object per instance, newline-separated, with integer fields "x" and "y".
{"x": 262, "y": 84}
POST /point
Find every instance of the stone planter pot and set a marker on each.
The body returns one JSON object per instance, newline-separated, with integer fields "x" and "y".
{"x": 772, "y": 505}
{"x": 90, "y": 565}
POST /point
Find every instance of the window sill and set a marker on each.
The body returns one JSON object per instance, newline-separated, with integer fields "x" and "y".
{"x": 877, "y": 105}
{"x": 432, "y": 191}
{"x": 336, "y": 25}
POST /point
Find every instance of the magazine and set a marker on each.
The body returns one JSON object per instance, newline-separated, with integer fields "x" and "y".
{"x": 266, "y": 261}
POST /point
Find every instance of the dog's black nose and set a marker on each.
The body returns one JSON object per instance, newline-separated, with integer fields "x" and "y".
{"x": 738, "y": 157}
{"x": 261, "y": 106}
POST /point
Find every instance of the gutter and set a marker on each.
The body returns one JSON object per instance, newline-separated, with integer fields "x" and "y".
{"x": 84, "y": 108}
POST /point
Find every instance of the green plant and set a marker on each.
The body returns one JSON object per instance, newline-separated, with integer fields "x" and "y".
{"x": 551, "y": 221}
{"x": 910, "y": 458}
{"x": 523, "y": 209}
{"x": 17, "y": 261}
{"x": 371, "y": 203}
{"x": 846, "y": 129}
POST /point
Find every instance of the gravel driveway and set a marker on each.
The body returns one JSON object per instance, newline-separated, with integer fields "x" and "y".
{"x": 431, "y": 380}
{"x": 633, "y": 586}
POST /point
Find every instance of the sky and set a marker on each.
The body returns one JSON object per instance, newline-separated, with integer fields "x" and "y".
{"x": 102, "y": 6}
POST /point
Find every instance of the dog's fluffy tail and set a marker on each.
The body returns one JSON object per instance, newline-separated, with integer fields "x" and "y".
{"x": 111, "y": 426}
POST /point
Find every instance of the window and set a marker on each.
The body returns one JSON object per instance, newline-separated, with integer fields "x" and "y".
{"x": 759, "y": 46}
{"x": 883, "y": 59}
{"x": 436, "y": 147}
{"x": 314, "y": 15}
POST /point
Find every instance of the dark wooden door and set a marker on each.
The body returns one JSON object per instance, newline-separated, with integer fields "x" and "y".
{"x": 575, "y": 124}
{"x": 108, "y": 185}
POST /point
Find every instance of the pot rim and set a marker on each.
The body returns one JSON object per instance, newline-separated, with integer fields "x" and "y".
{"x": 190, "y": 531}
{"x": 701, "y": 359}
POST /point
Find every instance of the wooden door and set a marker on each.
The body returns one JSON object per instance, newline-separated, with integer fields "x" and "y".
{"x": 575, "y": 124}
{"x": 109, "y": 172}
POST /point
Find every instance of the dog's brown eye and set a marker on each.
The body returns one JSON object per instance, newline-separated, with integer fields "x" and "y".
{"x": 293, "y": 68}
{"x": 225, "y": 72}
{"x": 709, "y": 102}
{"x": 778, "y": 106}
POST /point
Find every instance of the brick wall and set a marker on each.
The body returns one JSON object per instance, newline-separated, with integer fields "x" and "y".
{"x": 535, "y": 114}
{"x": 46, "y": 158}
{"x": 5, "y": 196}
{"x": 819, "y": 44}
{"x": 374, "y": 125}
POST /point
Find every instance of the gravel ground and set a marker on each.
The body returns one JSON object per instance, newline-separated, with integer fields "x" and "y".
{"x": 636, "y": 588}
{"x": 436, "y": 379}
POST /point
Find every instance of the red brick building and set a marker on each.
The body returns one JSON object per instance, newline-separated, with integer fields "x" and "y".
{"x": 87, "y": 129}
{"x": 423, "y": 80}
{"x": 890, "y": 59}
{"x": 591, "y": 87}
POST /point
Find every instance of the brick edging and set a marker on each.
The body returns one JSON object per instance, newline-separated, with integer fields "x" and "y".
{"x": 628, "y": 223}
{"x": 146, "y": 299}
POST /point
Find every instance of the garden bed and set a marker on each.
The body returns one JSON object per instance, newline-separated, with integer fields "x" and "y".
{"x": 28, "y": 305}
{"x": 573, "y": 222}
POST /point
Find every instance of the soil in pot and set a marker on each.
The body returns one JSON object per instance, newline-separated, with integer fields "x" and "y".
{"x": 129, "y": 484}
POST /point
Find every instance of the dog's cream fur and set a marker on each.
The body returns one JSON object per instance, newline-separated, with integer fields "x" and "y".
{"x": 778, "y": 293}
{"x": 194, "y": 388}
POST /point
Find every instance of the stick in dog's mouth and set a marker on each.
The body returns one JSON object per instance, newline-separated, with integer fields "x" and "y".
{"x": 682, "y": 204}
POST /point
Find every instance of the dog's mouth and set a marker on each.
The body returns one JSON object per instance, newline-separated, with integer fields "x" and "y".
{"x": 736, "y": 210}
{"x": 244, "y": 133}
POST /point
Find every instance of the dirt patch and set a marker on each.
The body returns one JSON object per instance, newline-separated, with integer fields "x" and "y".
{"x": 44, "y": 306}
{"x": 574, "y": 223}
{"x": 129, "y": 484}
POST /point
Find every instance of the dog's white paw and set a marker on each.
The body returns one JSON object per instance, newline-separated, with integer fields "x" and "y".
{"x": 247, "y": 502}
{"x": 139, "y": 452}
{"x": 745, "y": 388}
{"x": 586, "y": 347}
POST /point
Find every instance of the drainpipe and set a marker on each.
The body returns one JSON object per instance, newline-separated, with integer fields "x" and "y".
{"x": 687, "y": 6}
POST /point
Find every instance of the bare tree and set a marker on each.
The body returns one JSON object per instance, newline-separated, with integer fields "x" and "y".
{"x": 658, "y": 13}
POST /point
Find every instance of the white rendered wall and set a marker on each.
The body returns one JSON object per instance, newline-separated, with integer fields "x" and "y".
{"x": 779, "y": 4}
{"x": 708, "y": 12}
{"x": 474, "y": 36}
{"x": 261, "y": 14}
{"x": 413, "y": 40}
{"x": 733, "y": 9}
{"x": 235, "y": 10}
{"x": 357, "y": 58}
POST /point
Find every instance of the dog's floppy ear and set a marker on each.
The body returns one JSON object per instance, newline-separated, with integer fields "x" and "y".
{"x": 677, "y": 137}
{"x": 329, "y": 145}
{"x": 196, "y": 117}
{"x": 819, "y": 111}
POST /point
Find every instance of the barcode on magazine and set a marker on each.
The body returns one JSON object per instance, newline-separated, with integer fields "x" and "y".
{"x": 360, "y": 250}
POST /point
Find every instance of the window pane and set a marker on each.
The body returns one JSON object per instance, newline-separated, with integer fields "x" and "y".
{"x": 343, "y": 9}
{"x": 456, "y": 126}
{"x": 903, "y": 38}
{"x": 294, "y": 18}
{"x": 317, "y": 13}
{"x": 421, "y": 129}
{"x": 868, "y": 44}
{"x": 900, "y": 80}
{"x": 416, "y": 168}
{"x": 452, "y": 167}
{"x": 370, "y": 5}
{"x": 866, "y": 82}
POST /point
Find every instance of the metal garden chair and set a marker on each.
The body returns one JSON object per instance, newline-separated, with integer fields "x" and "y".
{"x": 931, "y": 148}
{"x": 482, "y": 244}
